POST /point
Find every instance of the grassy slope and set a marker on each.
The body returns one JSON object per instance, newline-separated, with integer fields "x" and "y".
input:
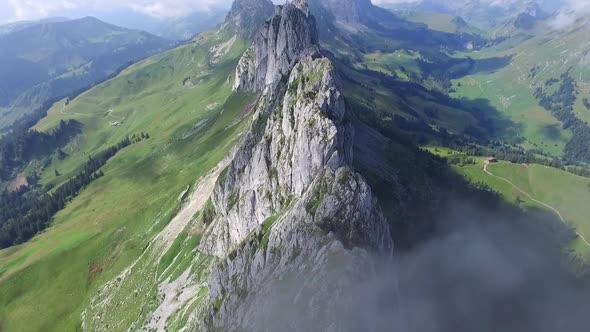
{"x": 508, "y": 89}
{"x": 46, "y": 283}
{"x": 566, "y": 192}
{"x": 410, "y": 102}
{"x": 511, "y": 88}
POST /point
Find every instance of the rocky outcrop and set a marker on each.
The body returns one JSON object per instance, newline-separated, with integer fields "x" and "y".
{"x": 286, "y": 37}
{"x": 290, "y": 205}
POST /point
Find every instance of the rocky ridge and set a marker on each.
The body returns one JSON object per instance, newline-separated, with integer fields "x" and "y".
{"x": 289, "y": 205}
{"x": 286, "y": 37}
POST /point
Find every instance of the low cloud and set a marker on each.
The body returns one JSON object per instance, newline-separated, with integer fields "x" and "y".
{"x": 570, "y": 13}
{"x": 458, "y": 3}
{"x": 484, "y": 271}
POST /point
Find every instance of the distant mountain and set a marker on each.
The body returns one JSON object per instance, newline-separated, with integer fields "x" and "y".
{"x": 177, "y": 28}
{"x": 367, "y": 28}
{"x": 42, "y": 61}
{"x": 186, "y": 27}
{"x": 443, "y": 22}
{"x": 483, "y": 13}
{"x": 245, "y": 16}
{"x": 17, "y": 26}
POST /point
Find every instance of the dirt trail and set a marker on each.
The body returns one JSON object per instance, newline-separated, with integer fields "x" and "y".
{"x": 485, "y": 169}
{"x": 109, "y": 113}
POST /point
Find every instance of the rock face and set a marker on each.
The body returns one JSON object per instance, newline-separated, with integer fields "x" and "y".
{"x": 288, "y": 36}
{"x": 290, "y": 205}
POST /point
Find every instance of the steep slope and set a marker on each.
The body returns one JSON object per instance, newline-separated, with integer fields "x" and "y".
{"x": 48, "y": 60}
{"x": 287, "y": 205}
{"x": 182, "y": 99}
{"x": 301, "y": 136}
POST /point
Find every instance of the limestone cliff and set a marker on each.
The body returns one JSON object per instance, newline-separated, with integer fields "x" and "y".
{"x": 286, "y": 37}
{"x": 289, "y": 205}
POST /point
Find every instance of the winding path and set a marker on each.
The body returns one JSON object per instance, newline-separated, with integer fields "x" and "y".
{"x": 109, "y": 113}
{"x": 485, "y": 169}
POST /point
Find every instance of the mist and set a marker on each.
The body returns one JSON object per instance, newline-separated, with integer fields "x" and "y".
{"x": 570, "y": 13}
{"x": 480, "y": 272}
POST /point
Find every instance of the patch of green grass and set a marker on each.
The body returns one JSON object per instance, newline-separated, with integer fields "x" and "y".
{"x": 169, "y": 256}
{"x": 266, "y": 228}
{"x": 208, "y": 212}
{"x": 184, "y": 257}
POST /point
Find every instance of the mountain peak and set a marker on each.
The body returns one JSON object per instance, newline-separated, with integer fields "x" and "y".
{"x": 246, "y": 16}
{"x": 289, "y": 35}
{"x": 301, "y": 4}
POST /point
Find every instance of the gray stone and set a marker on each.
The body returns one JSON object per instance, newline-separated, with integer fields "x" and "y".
{"x": 290, "y": 206}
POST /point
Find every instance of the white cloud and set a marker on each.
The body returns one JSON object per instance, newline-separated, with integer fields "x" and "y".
{"x": 34, "y": 9}
{"x": 501, "y": 3}
{"x": 573, "y": 10}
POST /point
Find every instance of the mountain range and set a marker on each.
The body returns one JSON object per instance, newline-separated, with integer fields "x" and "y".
{"x": 318, "y": 165}
{"x": 175, "y": 28}
{"x": 53, "y": 59}
{"x": 483, "y": 13}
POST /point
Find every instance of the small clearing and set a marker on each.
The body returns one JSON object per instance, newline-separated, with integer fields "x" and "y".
{"x": 19, "y": 182}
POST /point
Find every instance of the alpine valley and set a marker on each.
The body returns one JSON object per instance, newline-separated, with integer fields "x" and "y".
{"x": 317, "y": 165}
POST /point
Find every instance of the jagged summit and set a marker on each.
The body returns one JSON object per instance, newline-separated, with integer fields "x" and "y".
{"x": 301, "y": 4}
{"x": 285, "y": 38}
{"x": 289, "y": 203}
{"x": 246, "y": 16}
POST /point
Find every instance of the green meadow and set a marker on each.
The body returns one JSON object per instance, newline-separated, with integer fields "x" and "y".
{"x": 183, "y": 100}
{"x": 566, "y": 192}
{"x": 535, "y": 57}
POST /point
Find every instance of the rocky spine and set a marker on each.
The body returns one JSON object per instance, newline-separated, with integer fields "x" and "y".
{"x": 289, "y": 203}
